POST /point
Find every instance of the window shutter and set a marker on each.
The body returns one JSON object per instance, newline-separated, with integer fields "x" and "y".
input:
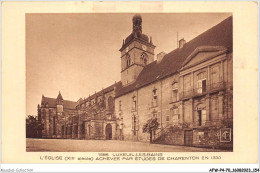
{"x": 199, "y": 85}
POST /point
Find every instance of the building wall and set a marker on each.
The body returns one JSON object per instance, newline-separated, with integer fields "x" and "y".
{"x": 135, "y": 50}
{"x": 146, "y": 108}
{"x": 217, "y": 105}
{"x": 125, "y": 114}
{"x": 48, "y": 115}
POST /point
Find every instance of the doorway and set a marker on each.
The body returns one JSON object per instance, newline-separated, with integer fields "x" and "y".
{"x": 199, "y": 118}
{"x": 108, "y": 132}
{"x": 188, "y": 137}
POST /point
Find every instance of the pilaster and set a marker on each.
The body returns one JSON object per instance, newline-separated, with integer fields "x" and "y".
{"x": 207, "y": 108}
{"x": 220, "y": 105}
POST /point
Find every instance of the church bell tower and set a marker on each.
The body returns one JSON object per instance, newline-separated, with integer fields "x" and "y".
{"x": 137, "y": 51}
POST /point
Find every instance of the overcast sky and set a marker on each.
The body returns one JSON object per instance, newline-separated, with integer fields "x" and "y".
{"x": 78, "y": 54}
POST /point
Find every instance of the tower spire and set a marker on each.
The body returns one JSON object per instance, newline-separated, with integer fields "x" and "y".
{"x": 60, "y": 96}
{"x": 137, "y": 23}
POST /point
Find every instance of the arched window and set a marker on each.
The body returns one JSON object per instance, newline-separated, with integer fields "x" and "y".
{"x": 110, "y": 101}
{"x": 128, "y": 60}
{"x": 143, "y": 59}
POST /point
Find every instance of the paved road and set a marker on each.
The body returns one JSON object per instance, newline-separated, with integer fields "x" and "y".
{"x": 68, "y": 145}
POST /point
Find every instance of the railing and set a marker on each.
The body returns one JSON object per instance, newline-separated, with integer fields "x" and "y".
{"x": 201, "y": 91}
{"x": 163, "y": 130}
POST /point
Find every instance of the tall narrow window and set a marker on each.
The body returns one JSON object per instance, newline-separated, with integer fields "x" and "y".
{"x": 133, "y": 103}
{"x": 66, "y": 130}
{"x": 143, "y": 59}
{"x": 128, "y": 61}
{"x": 174, "y": 91}
{"x": 110, "y": 101}
{"x": 120, "y": 105}
{"x": 62, "y": 130}
{"x": 201, "y": 82}
{"x": 201, "y": 116}
{"x": 175, "y": 115}
{"x": 154, "y": 99}
{"x": 134, "y": 124}
{"x": 54, "y": 126}
{"x": 83, "y": 128}
{"x": 89, "y": 130}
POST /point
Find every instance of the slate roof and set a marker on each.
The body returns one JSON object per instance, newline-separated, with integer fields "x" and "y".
{"x": 104, "y": 91}
{"x": 52, "y": 103}
{"x": 219, "y": 35}
{"x": 59, "y": 96}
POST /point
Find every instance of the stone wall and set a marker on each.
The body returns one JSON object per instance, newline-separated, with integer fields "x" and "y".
{"x": 145, "y": 108}
{"x": 208, "y": 137}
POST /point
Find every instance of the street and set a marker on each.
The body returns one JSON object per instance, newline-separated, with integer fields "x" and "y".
{"x": 69, "y": 145}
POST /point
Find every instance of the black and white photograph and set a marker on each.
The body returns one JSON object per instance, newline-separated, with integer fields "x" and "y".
{"x": 129, "y": 82}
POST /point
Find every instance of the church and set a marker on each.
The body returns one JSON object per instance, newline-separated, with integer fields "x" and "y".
{"x": 189, "y": 90}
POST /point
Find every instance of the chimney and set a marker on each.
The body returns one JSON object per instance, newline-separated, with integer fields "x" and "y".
{"x": 182, "y": 42}
{"x": 160, "y": 56}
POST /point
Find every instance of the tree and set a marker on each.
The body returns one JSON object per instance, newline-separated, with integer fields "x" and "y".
{"x": 33, "y": 127}
{"x": 150, "y": 127}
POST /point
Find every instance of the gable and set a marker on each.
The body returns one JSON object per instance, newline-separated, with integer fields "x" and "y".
{"x": 202, "y": 54}
{"x": 219, "y": 36}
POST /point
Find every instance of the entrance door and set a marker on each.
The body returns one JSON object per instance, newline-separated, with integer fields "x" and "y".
{"x": 188, "y": 137}
{"x": 108, "y": 132}
{"x": 199, "y": 118}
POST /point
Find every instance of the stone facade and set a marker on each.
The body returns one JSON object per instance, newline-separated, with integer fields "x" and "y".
{"x": 189, "y": 91}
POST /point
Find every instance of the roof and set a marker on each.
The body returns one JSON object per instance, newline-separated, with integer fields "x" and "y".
{"x": 52, "y": 103}
{"x": 219, "y": 35}
{"x": 137, "y": 36}
{"x": 103, "y": 91}
{"x": 59, "y": 96}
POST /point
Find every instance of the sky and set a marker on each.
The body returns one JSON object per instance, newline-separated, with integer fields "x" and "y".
{"x": 78, "y": 53}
